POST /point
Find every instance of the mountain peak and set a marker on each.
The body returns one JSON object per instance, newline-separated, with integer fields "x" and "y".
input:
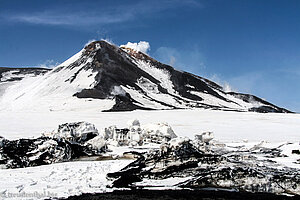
{"x": 94, "y": 45}
{"x": 134, "y": 52}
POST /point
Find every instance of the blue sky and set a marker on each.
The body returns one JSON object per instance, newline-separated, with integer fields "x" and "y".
{"x": 250, "y": 45}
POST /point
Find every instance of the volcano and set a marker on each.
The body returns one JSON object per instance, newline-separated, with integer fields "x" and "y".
{"x": 106, "y": 77}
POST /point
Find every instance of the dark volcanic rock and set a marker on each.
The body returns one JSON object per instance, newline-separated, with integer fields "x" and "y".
{"x": 76, "y": 132}
{"x": 296, "y": 151}
{"x": 41, "y": 151}
{"x": 268, "y": 109}
{"x": 126, "y": 103}
{"x": 34, "y": 152}
{"x": 162, "y": 163}
{"x": 138, "y": 194}
{"x": 215, "y": 168}
{"x": 69, "y": 141}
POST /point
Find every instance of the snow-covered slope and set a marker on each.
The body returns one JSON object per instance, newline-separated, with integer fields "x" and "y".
{"x": 105, "y": 77}
{"x": 11, "y": 75}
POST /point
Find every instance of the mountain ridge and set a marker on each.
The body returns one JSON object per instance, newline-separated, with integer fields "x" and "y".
{"x": 131, "y": 80}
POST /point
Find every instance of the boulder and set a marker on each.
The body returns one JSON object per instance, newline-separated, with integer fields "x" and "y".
{"x": 34, "y": 152}
{"x": 76, "y": 132}
{"x": 97, "y": 144}
{"x": 157, "y": 133}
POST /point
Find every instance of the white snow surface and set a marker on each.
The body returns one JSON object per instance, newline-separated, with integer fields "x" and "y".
{"x": 168, "y": 183}
{"x": 74, "y": 178}
{"x": 72, "y": 59}
{"x": 162, "y": 75}
{"x": 227, "y": 126}
{"x": 57, "y": 180}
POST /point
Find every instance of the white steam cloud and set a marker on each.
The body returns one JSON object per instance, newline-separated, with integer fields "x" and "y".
{"x": 49, "y": 64}
{"x": 142, "y": 46}
{"x": 227, "y": 87}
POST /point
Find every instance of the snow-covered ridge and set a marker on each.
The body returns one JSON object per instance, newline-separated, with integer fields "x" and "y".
{"x": 8, "y": 74}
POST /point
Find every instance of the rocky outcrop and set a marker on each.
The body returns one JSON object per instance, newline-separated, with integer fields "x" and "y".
{"x": 77, "y": 139}
{"x": 45, "y": 150}
{"x": 158, "y": 133}
{"x": 33, "y": 152}
{"x": 69, "y": 141}
{"x": 216, "y": 167}
{"x": 76, "y": 132}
